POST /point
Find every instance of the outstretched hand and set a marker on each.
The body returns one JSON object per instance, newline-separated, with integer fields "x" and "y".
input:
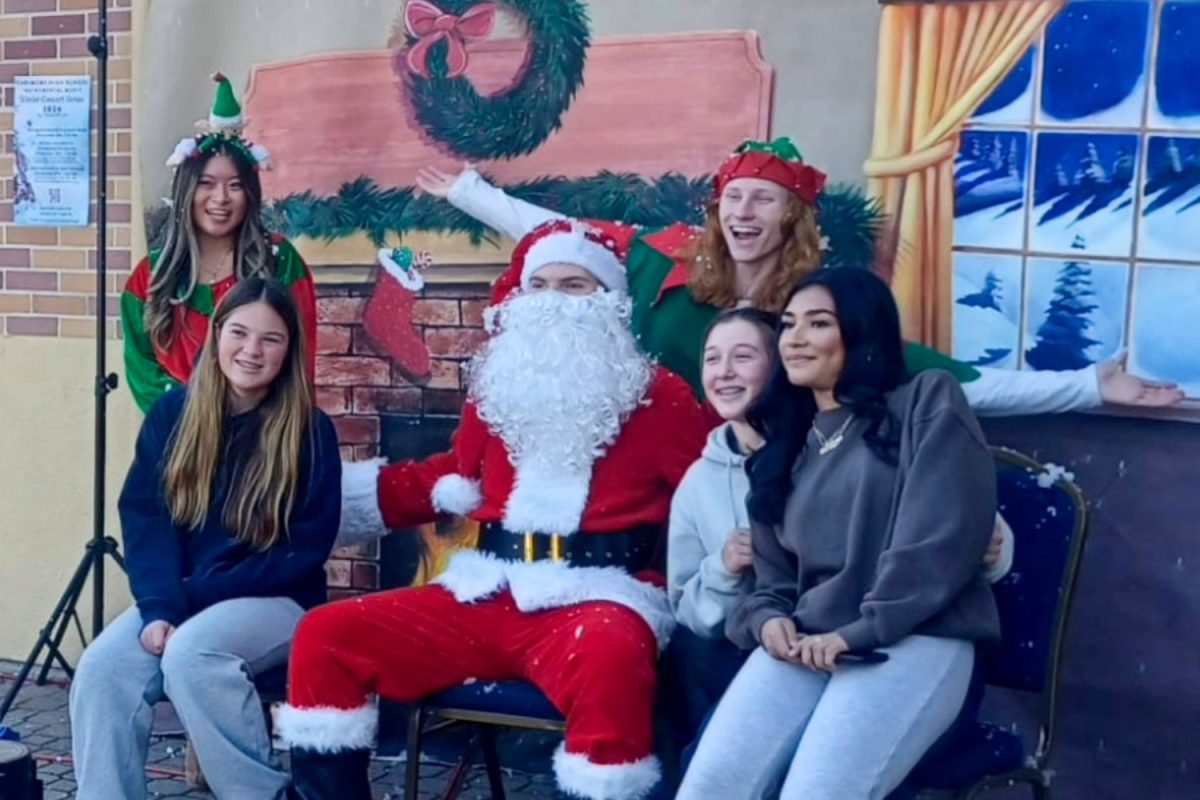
{"x": 1119, "y": 387}
{"x": 437, "y": 183}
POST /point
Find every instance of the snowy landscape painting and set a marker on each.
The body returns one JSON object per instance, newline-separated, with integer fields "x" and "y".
{"x": 1084, "y": 194}
{"x": 987, "y": 309}
{"x": 1095, "y": 64}
{"x": 1170, "y": 223}
{"x": 1176, "y": 93}
{"x": 989, "y": 189}
{"x": 1075, "y": 312}
{"x": 1165, "y": 334}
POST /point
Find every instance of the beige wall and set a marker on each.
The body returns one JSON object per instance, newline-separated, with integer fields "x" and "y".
{"x": 46, "y": 480}
{"x": 823, "y": 51}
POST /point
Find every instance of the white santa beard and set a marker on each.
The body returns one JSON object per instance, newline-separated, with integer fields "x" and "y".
{"x": 556, "y": 384}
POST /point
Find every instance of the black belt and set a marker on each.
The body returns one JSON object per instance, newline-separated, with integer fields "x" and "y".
{"x": 633, "y": 549}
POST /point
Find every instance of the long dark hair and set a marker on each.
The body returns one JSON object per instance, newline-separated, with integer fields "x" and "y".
{"x": 874, "y": 366}
{"x": 266, "y": 486}
{"x": 176, "y": 273}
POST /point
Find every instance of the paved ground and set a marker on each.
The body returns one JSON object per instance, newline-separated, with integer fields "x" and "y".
{"x": 40, "y": 716}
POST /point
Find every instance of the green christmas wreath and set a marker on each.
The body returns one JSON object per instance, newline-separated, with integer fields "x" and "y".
{"x": 515, "y": 122}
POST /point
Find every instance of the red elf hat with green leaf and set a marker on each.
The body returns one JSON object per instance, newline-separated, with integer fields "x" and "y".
{"x": 778, "y": 161}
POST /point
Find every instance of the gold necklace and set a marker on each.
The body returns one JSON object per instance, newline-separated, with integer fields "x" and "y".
{"x": 831, "y": 443}
{"x": 218, "y": 272}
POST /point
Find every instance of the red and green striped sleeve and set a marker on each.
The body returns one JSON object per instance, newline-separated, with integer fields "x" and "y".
{"x": 146, "y": 378}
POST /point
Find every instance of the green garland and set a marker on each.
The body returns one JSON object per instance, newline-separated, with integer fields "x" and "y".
{"x": 516, "y": 122}
{"x": 849, "y": 219}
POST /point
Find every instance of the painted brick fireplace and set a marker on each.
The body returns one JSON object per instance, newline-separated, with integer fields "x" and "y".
{"x": 377, "y": 411}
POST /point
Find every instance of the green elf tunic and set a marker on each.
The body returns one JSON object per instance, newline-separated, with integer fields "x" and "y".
{"x": 670, "y": 323}
{"x": 150, "y": 371}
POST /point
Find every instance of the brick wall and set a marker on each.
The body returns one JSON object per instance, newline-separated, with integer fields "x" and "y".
{"x": 357, "y": 386}
{"x": 47, "y": 278}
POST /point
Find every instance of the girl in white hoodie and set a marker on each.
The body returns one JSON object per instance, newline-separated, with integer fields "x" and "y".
{"x": 708, "y": 551}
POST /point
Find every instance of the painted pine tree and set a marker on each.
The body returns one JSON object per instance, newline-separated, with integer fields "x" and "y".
{"x": 1062, "y": 340}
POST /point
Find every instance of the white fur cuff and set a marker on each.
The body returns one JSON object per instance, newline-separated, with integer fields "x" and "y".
{"x": 471, "y": 576}
{"x": 456, "y": 494}
{"x": 325, "y": 729}
{"x": 361, "y": 518}
{"x": 578, "y": 776}
{"x": 548, "y": 502}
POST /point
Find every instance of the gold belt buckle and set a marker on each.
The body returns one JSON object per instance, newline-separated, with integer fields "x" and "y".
{"x": 556, "y": 548}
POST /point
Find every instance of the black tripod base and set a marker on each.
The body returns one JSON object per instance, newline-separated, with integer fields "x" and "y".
{"x": 51, "y": 635}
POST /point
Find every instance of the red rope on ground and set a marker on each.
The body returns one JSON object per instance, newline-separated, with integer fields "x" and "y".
{"x": 61, "y": 683}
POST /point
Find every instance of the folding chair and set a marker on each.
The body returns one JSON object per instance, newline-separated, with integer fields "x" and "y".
{"x": 1049, "y": 519}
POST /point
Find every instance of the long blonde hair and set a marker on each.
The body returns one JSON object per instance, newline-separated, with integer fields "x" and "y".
{"x": 176, "y": 272}
{"x": 713, "y": 275}
{"x": 263, "y": 478}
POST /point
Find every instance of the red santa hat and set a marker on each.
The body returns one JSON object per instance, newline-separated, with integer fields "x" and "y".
{"x": 562, "y": 241}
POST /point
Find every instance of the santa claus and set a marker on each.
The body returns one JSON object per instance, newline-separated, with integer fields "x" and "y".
{"x": 569, "y": 448}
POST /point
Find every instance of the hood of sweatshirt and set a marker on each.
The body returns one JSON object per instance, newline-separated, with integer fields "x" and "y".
{"x": 720, "y": 450}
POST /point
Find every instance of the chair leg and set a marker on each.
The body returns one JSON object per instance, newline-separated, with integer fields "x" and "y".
{"x": 412, "y": 772}
{"x": 491, "y": 761}
{"x": 191, "y": 769}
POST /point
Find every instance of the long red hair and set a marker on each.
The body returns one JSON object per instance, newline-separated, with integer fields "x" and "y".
{"x": 713, "y": 275}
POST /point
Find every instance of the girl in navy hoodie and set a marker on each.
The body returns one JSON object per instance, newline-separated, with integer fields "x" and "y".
{"x": 228, "y": 514}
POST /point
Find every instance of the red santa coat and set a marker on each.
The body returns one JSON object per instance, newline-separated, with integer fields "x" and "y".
{"x": 629, "y": 486}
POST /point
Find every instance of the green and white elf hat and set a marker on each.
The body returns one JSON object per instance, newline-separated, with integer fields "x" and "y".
{"x": 223, "y": 126}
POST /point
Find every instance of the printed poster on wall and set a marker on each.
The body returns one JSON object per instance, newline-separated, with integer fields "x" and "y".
{"x": 50, "y": 139}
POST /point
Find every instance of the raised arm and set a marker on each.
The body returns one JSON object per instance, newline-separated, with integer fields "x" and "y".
{"x": 471, "y": 194}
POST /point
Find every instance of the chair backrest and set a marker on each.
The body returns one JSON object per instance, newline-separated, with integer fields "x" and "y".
{"x": 1049, "y": 520}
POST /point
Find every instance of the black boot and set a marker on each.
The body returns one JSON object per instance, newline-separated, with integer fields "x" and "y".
{"x": 330, "y": 776}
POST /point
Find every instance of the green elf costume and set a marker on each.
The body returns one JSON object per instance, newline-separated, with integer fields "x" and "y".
{"x": 151, "y": 370}
{"x": 670, "y": 322}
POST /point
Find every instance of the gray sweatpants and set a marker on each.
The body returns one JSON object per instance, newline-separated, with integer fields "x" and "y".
{"x": 852, "y": 735}
{"x": 206, "y": 672}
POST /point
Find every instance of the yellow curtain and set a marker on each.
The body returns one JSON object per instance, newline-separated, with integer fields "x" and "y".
{"x": 937, "y": 63}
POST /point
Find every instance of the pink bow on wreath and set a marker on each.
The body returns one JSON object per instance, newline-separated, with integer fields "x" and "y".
{"x": 432, "y": 25}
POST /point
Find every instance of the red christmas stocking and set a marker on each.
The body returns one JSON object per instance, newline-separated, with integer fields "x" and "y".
{"x": 388, "y": 318}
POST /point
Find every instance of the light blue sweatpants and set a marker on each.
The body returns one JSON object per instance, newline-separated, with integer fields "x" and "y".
{"x": 852, "y": 735}
{"x": 207, "y": 673}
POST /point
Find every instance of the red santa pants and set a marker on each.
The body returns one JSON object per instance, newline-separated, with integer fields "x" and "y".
{"x": 595, "y": 661}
